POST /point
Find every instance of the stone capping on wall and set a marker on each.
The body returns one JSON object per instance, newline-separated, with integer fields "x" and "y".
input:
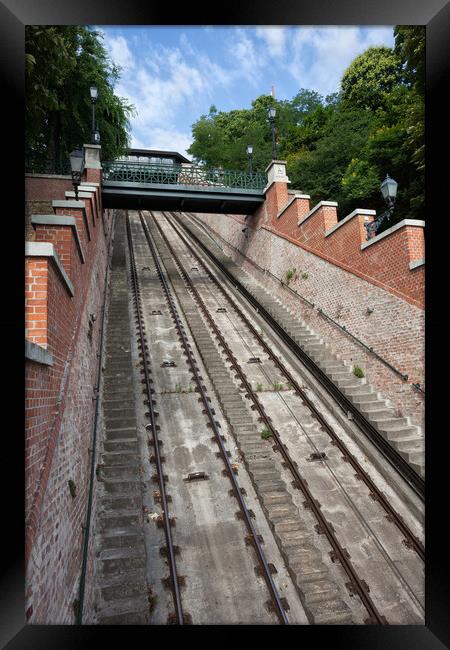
{"x": 64, "y": 176}
{"x": 316, "y": 207}
{"x": 59, "y": 220}
{"x": 296, "y": 196}
{"x": 348, "y": 217}
{"x": 416, "y": 264}
{"x": 45, "y": 249}
{"x": 74, "y": 204}
{"x": 35, "y": 352}
{"x": 386, "y": 233}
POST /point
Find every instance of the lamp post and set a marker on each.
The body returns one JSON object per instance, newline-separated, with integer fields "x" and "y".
{"x": 77, "y": 168}
{"x": 249, "y": 154}
{"x": 271, "y": 112}
{"x": 388, "y": 189}
{"x": 94, "y": 93}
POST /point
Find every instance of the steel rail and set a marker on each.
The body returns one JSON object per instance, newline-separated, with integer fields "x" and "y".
{"x": 410, "y": 539}
{"x": 154, "y": 428}
{"x": 415, "y": 481}
{"x": 279, "y": 608}
{"x": 357, "y": 584}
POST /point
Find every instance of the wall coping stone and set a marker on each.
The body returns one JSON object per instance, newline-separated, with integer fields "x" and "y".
{"x": 37, "y": 353}
{"x": 296, "y": 196}
{"x": 88, "y": 188}
{"x": 65, "y": 176}
{"x": 273, "y": 162}
{"x": 59, "y": 220}
{"x": 84, "y": 195}
{"x": 89, "y": 184}
{"x": 348, "y": 217}
{"x": 406, "y": 222}
{"x": 68, "y": 204}
{"x": 316, "y": 207}
{"x": 46, "y": 249}
{"x": 416, "y": 264}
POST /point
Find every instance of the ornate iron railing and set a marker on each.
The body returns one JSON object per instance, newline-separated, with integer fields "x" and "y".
{"x": 37, "y": 165}
{"x": 137, "y": 172}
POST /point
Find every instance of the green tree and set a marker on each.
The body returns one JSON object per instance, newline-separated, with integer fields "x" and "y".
{"x": 370, "y": 78}
{"x": 62, "y": 62}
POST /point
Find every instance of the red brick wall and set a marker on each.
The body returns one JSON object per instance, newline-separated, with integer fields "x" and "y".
{"x": 395, "y": 328}
{"x": 385, "y": 263}
{"x": 59, "y": 410}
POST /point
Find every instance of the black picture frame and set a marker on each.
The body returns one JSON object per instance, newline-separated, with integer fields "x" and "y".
{"x": 14, "y": 15}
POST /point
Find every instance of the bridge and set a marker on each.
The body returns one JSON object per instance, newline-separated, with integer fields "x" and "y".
{"x": 142, "y": 185}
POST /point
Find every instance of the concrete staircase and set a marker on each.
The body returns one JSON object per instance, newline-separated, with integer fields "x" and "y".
{"x": 121, "y": 593}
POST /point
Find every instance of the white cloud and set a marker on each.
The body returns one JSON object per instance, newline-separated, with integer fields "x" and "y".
{"x": 245, "y": 56}
{"x": 164, "y": 139}
{"x": 275, "y": 39}
{"x": 120, "y": 52}
{"x": 321, "y": 54}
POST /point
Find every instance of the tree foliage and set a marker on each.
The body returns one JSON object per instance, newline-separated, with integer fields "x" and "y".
{"x": 342, "y": 146}
{"x": 62, "y": 62}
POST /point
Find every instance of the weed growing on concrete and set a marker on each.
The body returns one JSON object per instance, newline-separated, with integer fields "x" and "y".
{"x": 152, "y": 600}
{"x": 73, "y": 489}
{"x": 358, "y": 372}
{"x": 259, "y": 387}
{"x": 277, "y": 385}
{"x": 266, "y": 433}
{"x": 178, "y": 388}
{"x": 290, "y": 275}
{"x": 305, "y": 275}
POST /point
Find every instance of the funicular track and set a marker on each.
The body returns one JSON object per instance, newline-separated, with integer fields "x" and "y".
{"x": 355, "y": 585}
{"x": 409, "y": 538}
{"x": 416, "y": 482}
{"x": 278, "y": 604}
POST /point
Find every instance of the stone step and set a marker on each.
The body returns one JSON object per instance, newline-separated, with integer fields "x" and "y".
{"x": 334, "y": 612}
{"x": 121, "y": 504}
{"x": 271, "y": 485}
{"x": 409, "y": 444}
{"x": 119, "y": 565}
{"x": 373, "y": 407}
{"x": 392, "y": 424}
{"x": 401, "y": 433}
{"x": 363, "y": 390}
{"x": 280, "y": 511}
{"x": 276, "y": 497}
{"x": 127, "y": 618}
{"x": 122, "y": 487}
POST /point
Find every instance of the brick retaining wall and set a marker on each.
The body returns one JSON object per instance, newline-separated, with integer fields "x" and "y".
{"x": 59, "y": 407}
{"x": 395, "y": 327}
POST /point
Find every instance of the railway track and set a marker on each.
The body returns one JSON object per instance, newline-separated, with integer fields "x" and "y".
{"x": 278, "y": 603}
{"x": 355, "y": 585}
{"x": 410, "y": 539}
{"x": 415, "y": 481}
{"x": 168, "y": 269}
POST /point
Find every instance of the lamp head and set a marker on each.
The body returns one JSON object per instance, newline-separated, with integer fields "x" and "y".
{"x": 389, "y": 189}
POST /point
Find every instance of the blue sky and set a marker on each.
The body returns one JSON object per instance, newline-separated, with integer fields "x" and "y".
{"x": 173, "y": 74}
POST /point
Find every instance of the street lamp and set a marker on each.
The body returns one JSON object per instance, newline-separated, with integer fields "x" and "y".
{"x": 271, "y": 112}
{"x": 388, "y": 190}
{"x": 94, "y": 92}
{"x": 77, "y": 168}
{"x": 249, "y": 154}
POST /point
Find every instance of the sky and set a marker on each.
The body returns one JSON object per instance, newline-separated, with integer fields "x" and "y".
{"x": 174, "y": 74}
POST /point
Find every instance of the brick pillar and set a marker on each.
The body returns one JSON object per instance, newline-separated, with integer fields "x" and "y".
{"x": 276, "y": 190}
{"x": 92, "y": 165}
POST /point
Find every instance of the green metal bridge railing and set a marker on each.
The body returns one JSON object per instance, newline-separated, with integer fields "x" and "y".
{"x": 137, "y": 172}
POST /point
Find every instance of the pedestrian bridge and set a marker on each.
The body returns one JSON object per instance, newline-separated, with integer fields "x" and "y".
{"x": 142, "y": 185}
